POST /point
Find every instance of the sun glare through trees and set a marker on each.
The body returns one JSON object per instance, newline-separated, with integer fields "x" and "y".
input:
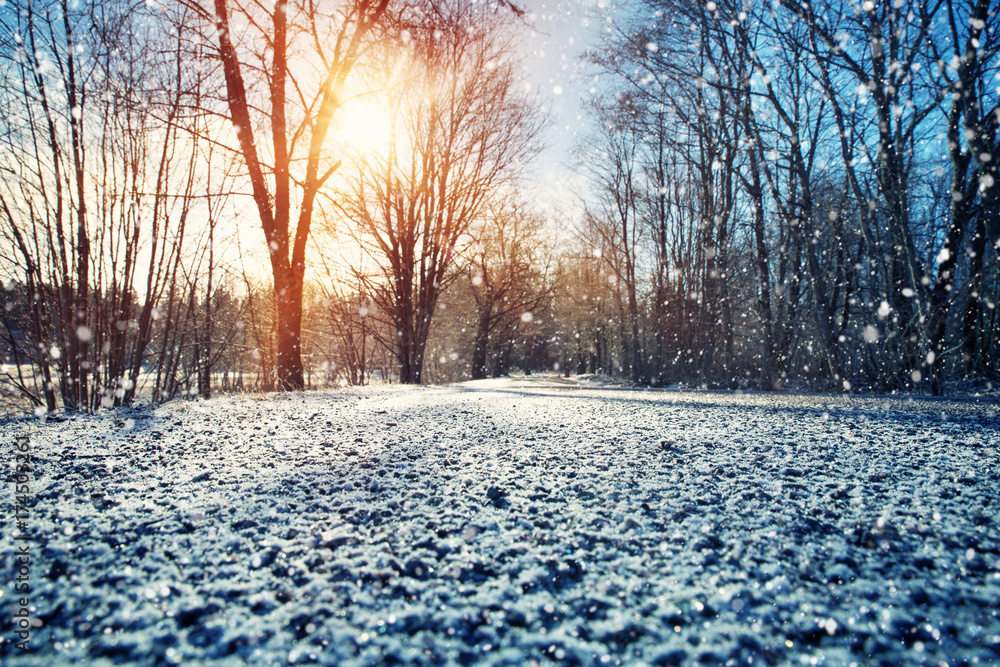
{"x": 366, "y": 128}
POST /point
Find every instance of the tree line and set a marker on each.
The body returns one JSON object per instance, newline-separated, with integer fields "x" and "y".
{"x": 780, "y": 194}
{"x": 139, "y": 142}
{"x": 798, "y": 192}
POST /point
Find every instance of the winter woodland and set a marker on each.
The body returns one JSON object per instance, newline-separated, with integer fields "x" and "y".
{"x": 202, "y": 198}
{"x": 333, "y": 334}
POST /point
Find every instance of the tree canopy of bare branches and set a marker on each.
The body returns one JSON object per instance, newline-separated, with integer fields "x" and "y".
{"x": 460, "y": 129}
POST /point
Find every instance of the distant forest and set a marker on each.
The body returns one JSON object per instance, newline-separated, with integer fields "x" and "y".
{"x": 780, "y": 195}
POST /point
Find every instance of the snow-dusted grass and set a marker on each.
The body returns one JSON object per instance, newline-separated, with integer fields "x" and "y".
{"x": 511, "y": 521}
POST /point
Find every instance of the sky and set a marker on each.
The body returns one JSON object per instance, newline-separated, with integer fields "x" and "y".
{"x": 560, "y": 31}
{"x": 556, "y": 34}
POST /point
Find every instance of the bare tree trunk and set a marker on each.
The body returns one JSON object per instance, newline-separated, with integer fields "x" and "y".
{"x": 480, "y": 345}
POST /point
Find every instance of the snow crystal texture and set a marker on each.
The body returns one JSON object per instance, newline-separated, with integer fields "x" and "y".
{"x": 505, "y": 522}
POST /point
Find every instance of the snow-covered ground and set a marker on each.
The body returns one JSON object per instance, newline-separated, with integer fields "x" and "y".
{"x": 511, "y": 522}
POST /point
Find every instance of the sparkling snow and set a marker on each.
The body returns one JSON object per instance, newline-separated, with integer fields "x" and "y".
{"x": 516, "y": 520}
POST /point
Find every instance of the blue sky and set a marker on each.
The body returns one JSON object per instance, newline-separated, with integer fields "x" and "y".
{"x": 562, "y": 30}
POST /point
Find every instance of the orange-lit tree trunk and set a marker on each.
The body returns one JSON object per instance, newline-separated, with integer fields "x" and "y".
{"x": 258, "y": 76}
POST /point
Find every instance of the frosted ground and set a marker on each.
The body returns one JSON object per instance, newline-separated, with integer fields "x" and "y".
{"x": 516, "y": 521}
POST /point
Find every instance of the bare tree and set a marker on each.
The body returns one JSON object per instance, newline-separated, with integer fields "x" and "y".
{"x": 97, "y": 192}
{"x": 614, "y": 227}
{"x": 899, "y": 39}
{"x": 285, "y": 68}
{"x": 510, "y": 276}
{"x": 460, "y": 127}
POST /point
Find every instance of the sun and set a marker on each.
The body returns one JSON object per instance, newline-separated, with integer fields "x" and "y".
{"x": 365, "y": 127}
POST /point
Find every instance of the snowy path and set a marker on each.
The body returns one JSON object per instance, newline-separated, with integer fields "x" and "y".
{"x": 510, "y": 521}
